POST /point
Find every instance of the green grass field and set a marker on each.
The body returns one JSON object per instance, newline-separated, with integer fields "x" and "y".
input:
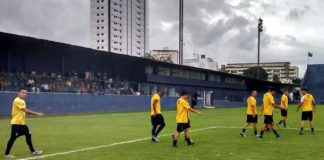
{"x": 216, "y": 135}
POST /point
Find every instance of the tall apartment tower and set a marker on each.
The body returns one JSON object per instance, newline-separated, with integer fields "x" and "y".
{"x": 119, "y": 26}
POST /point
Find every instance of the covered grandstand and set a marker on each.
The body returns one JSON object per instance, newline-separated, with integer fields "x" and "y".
{"x": 314, "y": 81}
{"x": 46, "y": 67}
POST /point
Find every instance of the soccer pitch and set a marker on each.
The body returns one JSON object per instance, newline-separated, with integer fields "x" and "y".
{"x": 123, "y": 136}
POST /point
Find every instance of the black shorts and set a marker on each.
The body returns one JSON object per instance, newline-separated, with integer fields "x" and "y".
{"x": 284, "y": 112}
{"x": 307, "y": 115}
{"x": 19, "y": 130}
{"x": 157, "y": 120}
{"x": 183, "y": 126}
{"x": 268, "y": 119}
{"x": 250, "y": 119}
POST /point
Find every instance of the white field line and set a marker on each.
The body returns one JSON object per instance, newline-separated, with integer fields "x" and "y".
{"x": 133, "y": 141}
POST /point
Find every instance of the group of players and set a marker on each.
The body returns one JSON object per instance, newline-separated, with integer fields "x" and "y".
{"x": 182, "y": 117}
{"x": 307, "y": 103}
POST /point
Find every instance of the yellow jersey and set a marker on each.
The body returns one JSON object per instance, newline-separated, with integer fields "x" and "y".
{"x": 268, "y": 101}
{"x": 307, "y": 101}
{"x": 18, "y": 115}
{"x": 251, "y": 106}
{"x": 156, "y": 97}
{"x": 182, "y": 111}
{"x": 284, "y": 101}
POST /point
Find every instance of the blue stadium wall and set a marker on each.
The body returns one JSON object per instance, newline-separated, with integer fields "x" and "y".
{"x": 314, "y": 81}
{"x": 57, "y": 103}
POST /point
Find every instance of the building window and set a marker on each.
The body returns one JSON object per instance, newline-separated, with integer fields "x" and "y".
{"x": 102, "y": 20}
{"x": 97, "y": 7}
{"x": 98, "y": 34}
{"x": 98, "y": 47}
{"x": 102, "y": 14}
{"x": 148, "y": 70}
{"x": 98, "y": 41}
{"x": 102, "y": 34}
{"x": 102, "y": 47}
{"x": 98, "y": 21}
{"x": 102, "y": 40}
{"x": 163, "y": 71}
{"x": 102, "y": 0}
{"x": 102, "y": 7}
{"x": 98, "y": 27}
{"x": 102, "y": 27}
{"x": 98, "y": 14}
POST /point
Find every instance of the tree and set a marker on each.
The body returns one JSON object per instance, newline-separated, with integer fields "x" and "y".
{"x": 297, "y": 81}
{"x": 276, "y": 79}
{"x": 149, "y": 56}
{"x": 252, "y": 72}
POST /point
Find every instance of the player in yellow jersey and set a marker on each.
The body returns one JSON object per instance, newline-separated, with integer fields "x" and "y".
{"x": 182, "y": 118}
{"x": 308, "y": 105}
{"x": 157, "y": 119}
{"x": 284, "y": 111}
{"x": 18, "y": 123}
{"x": 267, "y": 110}
{"x": 252, "y": 115}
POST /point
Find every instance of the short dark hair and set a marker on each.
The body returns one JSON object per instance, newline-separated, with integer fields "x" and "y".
{"x": 183, "y": 93}
{"x": 22, "y": 88}
{"x": 285, "y": 90}
{"x": 304, "y": 89}
{"x": 271, "y": 89}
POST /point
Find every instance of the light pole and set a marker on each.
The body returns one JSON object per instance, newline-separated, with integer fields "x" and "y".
{"x": 181, "y": 32}
{"x": 260, "y": 29}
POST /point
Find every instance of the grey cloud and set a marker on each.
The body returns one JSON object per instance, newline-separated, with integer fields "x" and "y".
{"x": 297, "y": 13}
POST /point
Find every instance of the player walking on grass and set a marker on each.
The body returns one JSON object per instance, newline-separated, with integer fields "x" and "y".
{"x": 18, "y": 123}
{"x": 157, "y": 119}
{"x": 182, "y": 118}
{"x": 284, "y": 110}
{"x": 267, "y": 110}
{"x": 308, "y": 105}
{"x": 252, "y": 116}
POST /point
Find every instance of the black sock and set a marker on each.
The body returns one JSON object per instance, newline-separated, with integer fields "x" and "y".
{"x": 312, "y": 129}
{"x": 280, "y": 122}
{"x": 261, "y": 134}
{"x": 154, "y": 129}
{"x": 301, "y": 129}
{"x": 188, "y": 140}
{"x": 243, "y": 130}
{"x": 284, "y": 124}
{"x": 159, "y": 129}
{"x": 276, "y": 133}
{"x": 255, "y": 132}
{"x": 175, "y": 142}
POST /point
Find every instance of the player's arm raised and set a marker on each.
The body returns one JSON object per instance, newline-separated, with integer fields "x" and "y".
{"x": 32, "y": 112}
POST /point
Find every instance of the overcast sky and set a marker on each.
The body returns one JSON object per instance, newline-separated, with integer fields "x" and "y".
{"x": 225, "y": 30}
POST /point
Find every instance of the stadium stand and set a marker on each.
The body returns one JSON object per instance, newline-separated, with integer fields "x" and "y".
{"x": 314, "y": 81}
{"x": 46, "y": 67}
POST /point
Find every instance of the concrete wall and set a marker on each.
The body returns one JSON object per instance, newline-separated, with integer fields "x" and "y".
{"x": 54, "y": 103}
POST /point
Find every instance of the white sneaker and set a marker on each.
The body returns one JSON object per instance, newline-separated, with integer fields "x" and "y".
{"x": 155, "y": 139}
{"x": 242, "y": 134}
{"x": 9, "y": 156}
{"x": 37, "y": 152}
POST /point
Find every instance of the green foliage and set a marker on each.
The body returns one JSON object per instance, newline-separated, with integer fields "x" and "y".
{"x": 252, "y": 73}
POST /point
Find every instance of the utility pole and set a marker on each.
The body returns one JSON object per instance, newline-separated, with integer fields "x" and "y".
{"x": 181, "y": 32}
{"x": 260, "y": 29}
